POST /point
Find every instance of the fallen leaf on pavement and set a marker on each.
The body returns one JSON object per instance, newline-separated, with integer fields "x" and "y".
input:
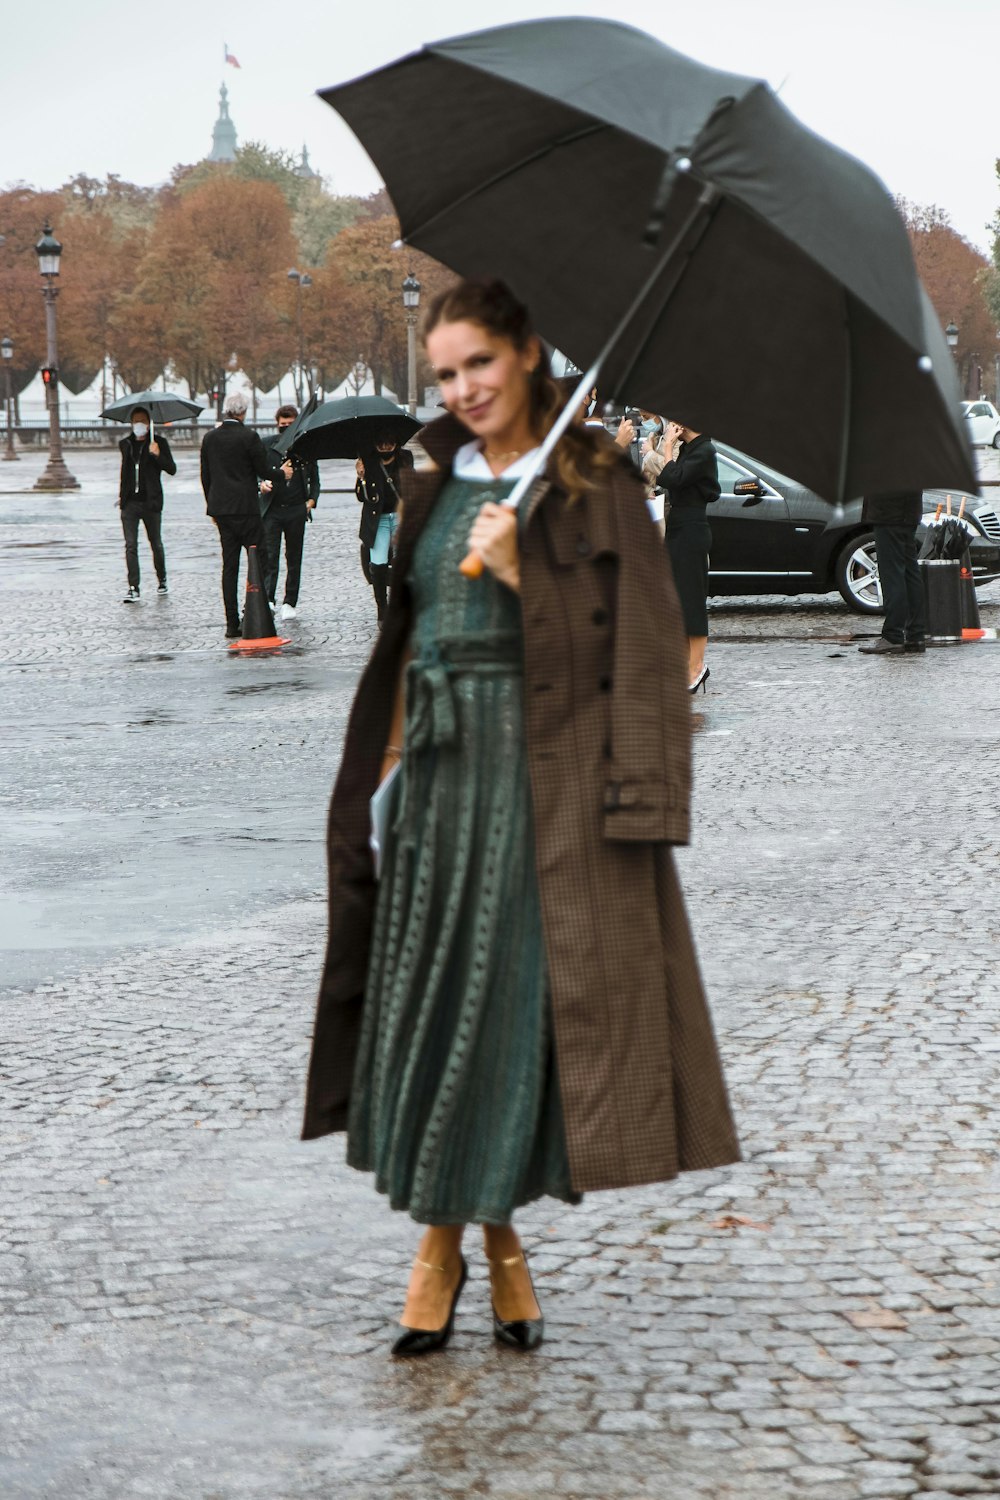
{"x": 737, "y": 1221}
{"x": 876, "y": 1317}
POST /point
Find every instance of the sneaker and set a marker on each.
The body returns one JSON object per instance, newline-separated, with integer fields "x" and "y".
{"x": 233, "y": 630}
{"x": 163, "y": 587}
{"x": 132, "y": 597}
{"x": 288, "y": 611}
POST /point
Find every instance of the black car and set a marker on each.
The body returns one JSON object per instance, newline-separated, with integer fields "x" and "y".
{"x": 770, "y": 535}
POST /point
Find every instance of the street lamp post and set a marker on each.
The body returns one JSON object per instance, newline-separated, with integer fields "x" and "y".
{"x": 7, "y": 350}
{"x": 411, "y": 302}
{"x": 301, "y": 279}
{"x": 55, "y": 475}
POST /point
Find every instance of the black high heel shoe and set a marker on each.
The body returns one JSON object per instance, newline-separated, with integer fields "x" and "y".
{"x": 415, "y": 1341}
{"x": 700, "y": 681}
{"x": 520, "y": 1333}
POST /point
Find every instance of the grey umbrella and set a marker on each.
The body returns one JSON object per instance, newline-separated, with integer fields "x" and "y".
{"x": 677, "y": 226}
{"x": 161, "y": 405}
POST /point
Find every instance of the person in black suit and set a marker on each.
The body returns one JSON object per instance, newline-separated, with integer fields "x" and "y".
{"x": 285, "y": 511}
{"x": 140, "y": 496}
{"x": 895, "y": 518}
{"x": 232, "y": 461}
{"x": 691, "y": 480}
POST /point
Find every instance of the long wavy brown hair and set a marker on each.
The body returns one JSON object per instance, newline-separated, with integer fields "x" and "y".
{"x": 582, "y": 459}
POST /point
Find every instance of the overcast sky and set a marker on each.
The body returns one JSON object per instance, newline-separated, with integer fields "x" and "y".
{"x": 907, "y": 85}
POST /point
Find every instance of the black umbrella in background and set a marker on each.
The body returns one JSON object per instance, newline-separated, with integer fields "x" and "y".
{"x": 350, "y": 427}
{"x": 678, "y": 228}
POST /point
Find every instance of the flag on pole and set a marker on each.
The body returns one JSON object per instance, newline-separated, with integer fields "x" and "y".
{"x": 229, "y": 56}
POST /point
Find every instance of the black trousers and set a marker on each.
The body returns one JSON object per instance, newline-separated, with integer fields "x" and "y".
{"x": 288, "y": 521}
{"x": 902, "y": 586}
{"x": 132, "y": 513}
{"x": 235, "y": 533}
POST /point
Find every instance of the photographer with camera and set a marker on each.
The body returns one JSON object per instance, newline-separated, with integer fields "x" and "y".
{"x": 295, "y": 490}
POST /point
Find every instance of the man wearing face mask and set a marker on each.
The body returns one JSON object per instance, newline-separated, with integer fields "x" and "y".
{"x": 140, "y": 496}
{"x": 291, "y": 501}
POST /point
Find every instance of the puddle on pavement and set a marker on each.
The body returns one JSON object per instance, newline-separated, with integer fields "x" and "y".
{"x": 46, "y": 545}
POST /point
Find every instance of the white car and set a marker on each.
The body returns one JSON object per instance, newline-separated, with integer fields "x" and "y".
{"x": 984, "y": 423}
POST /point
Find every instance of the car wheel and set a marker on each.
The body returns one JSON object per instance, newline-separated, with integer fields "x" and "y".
{"x": 996, "y": 438}
{"x": 856, "y": 575}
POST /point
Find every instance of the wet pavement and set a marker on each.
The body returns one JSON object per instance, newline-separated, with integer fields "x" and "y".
{"x": 196, "y": 1306}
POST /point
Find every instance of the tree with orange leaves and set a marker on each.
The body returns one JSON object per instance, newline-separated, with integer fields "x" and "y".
{"x": 953, "y": 273}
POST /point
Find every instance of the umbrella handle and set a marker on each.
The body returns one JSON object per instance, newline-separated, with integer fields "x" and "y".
{"x": 472, "y": 564}
{"x": 948, "y": 498}
{"x": 937, "y": 514}
{"x": 961, "y": 508}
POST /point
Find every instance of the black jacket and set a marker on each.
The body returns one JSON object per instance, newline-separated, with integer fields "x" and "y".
{"x": 691, "y": 480}
{"x": 303, "y": 485}
{"x": 140, "y": 477}
{"x": 232, "y": 461}
{"x": 379, "y": 494}
{"x": 903, "y": 508}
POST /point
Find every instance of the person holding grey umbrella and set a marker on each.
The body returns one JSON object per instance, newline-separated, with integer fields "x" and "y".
{"x": 510, "y": 1004}
{"x": 145, "y": 459}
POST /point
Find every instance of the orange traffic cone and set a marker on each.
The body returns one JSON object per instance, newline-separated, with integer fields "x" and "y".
{"x": 258, "y": 622}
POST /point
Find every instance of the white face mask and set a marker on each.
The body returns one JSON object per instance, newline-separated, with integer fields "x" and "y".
{"x": 140, "y": 430}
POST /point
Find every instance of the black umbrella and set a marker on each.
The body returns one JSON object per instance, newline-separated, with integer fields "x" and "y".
{"x": 285, "y": 439}
{"x": 679, "y": 227}
{"x": 947, "y": 537}
{"x": 161, "y": 405}
{"x": 350, "y": 427}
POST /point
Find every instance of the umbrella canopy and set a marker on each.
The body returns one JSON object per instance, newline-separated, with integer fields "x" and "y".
{"x": 778, "y": 305}
{"x": 285, "y": 439}
{"x": 161, "y": 405}
{"x": 350, "y": 427}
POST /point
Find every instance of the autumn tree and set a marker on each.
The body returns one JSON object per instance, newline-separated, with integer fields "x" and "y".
{"x": 373, "y": 273}
{"x": 954, "y": 274}
{"x": 211, "y": 274}
{"x": 23, "y": 215}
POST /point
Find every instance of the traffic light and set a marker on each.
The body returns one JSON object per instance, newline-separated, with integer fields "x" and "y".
{"x": 49, "y": 375}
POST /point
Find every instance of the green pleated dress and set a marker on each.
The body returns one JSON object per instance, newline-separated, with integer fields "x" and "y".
{"x": 455, "y": 1101}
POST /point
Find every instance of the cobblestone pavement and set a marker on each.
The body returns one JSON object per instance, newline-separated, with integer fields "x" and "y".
{"x": 196, "y": 1306}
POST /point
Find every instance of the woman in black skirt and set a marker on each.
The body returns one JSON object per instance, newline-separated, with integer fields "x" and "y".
{"x": 691, "y": 480}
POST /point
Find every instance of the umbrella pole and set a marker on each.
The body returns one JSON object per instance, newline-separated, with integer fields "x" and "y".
{"x": 472, "y": 564}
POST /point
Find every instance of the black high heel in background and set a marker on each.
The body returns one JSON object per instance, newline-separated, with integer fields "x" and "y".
{"x": 700, "y": 681}
{"x": 414, "y": 1341}
{"x": 519, "y": 1333}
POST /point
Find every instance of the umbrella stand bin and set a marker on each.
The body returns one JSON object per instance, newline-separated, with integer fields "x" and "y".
{"x": 942, "y": 599}
{"x": 970, "y": 604}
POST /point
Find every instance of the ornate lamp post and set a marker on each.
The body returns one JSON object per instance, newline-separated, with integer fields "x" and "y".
{"x": 7, "y": 350}
{"x": 55, "y": 475}
{"x": 301, "y": 279}
{"x": 411, "y": 302}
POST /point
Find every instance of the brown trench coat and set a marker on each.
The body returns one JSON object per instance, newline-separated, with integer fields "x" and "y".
{"x": 607, "y": 724}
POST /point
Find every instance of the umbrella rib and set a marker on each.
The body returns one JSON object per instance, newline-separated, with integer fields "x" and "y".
{"x": 525, "y": 161}
{"x": 845, "y": 435}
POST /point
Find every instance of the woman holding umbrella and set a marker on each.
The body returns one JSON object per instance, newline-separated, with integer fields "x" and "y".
{"x": 379, "y": 468}
{"x": 514, "y": 1009}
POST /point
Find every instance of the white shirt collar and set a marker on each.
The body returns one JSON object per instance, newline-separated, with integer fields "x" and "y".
{"x": 469, "y": 463}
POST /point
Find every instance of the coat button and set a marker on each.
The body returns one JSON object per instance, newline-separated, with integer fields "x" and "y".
{"x": 600, "y": 617}
{"x": 604, "y": 684}
{"x": 583, "y": 547}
